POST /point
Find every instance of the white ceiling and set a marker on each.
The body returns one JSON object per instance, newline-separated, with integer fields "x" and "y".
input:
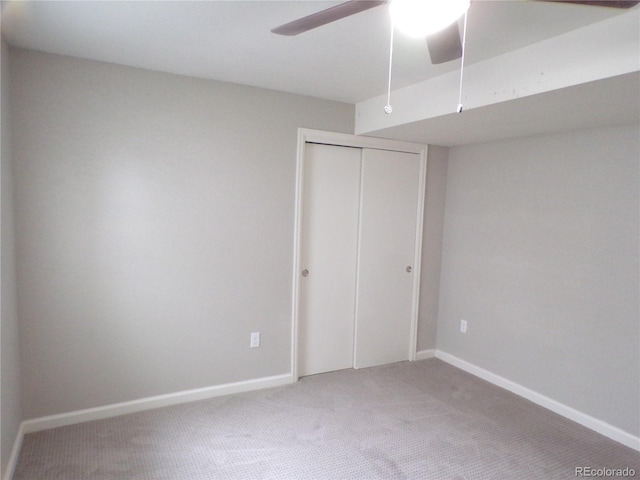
{"x": 231, "y": 40}
{"x": 612, "y": 101}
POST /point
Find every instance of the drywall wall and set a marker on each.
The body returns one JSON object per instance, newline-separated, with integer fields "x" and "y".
{"x": 432, "y": 247}
{"x": 155, "y": 229}
{"x": 10, "y": 410}
{"x": 540, "y": 257}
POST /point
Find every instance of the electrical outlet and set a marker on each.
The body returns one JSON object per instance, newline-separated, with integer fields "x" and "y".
{"x": 255, "y": 340}
{"x": 463, "y": 326}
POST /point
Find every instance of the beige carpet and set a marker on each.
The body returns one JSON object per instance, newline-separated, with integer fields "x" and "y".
{"x": 422, "y": 420}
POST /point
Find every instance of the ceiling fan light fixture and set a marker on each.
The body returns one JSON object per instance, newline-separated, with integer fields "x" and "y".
{"x": 419, "y": 18}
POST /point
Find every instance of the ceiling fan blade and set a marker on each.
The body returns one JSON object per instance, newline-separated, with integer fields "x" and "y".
{"x": 599, "y": 3}
{"x": 326, "y": 16}
{"x": 445, "y": 45}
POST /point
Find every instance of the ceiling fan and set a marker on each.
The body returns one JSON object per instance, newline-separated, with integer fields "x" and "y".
{"x": 444, "y": 46}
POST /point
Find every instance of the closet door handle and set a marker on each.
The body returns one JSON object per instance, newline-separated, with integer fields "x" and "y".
{"x": 305, "y": 272}
{"x": 409, "y": 269}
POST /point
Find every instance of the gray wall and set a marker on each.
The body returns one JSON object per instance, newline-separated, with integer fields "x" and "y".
{"x": 155, "y": 229}
{"x": 10, "y": 410}
{"x": 432, "y": 247}
{"x": 541, "y": 258}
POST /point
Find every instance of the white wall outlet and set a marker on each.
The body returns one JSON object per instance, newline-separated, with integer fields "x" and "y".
{"x": 463, "y": 326}
{"x": 255, "y": 340}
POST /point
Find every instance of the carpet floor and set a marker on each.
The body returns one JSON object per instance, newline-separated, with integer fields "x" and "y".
{"x": 410, "y": 420}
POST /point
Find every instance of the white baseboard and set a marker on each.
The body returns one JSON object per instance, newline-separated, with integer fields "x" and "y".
{"x": 588, "y": 421}
{"x": 116, "y": 409}
{"x": 15, "y": 452}
{"x": 424, "y": 354}
{"x": 107, "y": 411}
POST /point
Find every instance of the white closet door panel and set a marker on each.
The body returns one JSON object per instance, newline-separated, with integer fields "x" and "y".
{"x": 329, "y": 252}
{"x": 389, "y": 203}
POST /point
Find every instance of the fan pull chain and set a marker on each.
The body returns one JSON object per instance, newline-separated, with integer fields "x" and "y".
{"x": 388, "y": 109}
{"x": 464, "y": 43}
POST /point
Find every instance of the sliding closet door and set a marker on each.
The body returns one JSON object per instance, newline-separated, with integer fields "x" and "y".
{"x": 389, "y": 206}
{"x": 328, "y": 258}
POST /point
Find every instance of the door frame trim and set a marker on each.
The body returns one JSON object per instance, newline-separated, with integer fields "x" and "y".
{"x": 306, "y": 135}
